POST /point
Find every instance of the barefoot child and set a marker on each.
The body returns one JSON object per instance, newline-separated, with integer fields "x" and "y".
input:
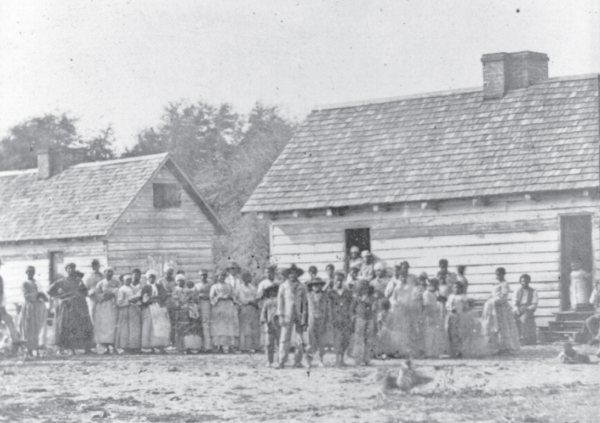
{"x": 270, "y": 322}
{"x": 318, "y": 316}
{"x": 364, "y": 311}
{"x": 341, "y": 318}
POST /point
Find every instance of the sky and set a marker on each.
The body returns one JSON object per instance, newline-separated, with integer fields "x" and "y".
{"x": 120, "y": 63}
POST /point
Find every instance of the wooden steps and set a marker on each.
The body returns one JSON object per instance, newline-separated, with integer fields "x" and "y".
{"x": 567, "y": 324}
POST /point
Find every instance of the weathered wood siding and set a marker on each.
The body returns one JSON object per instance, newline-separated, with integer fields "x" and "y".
{"x": 16, "y": 258}
{"x": 144, "y": 233}
{"x": 522, "y": 236}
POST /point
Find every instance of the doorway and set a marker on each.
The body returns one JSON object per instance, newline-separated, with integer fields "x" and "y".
{"x": 575, "y": 245}
{"x": 359, "y": 237}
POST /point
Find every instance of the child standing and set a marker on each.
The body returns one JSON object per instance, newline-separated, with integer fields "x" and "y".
{"x": 434, "y": 336}
{"x": 384, "y": 337}
{"x": 270, "y": 322}
{"x": 341, "y": 318}
{"x": 364, "y": 310}
{"x": 318, "y": 317}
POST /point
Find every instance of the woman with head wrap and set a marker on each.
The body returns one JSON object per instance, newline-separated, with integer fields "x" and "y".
{"x": 106, "y": 312}
{"x": 156, "y": 325}
{"x": 33, "y": 315}
{"x": 498, "y": 319}
{"x": 204, "y": 307}
{"x": 74, "y": 328}
{"x": 129, "y": 326}
{"x": 223, "y": 314}
{"x": 380, "y": 282}
{"x": 181, "y": 319}
{"x": 249, "y": 314}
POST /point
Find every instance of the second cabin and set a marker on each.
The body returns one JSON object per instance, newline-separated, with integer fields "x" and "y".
{"x": 501, "y": 175}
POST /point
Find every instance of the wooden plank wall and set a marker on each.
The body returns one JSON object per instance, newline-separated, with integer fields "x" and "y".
{"x": 521, "y": 235}
{"x": 144, "y": 231}
{"x": 16, "y": 258}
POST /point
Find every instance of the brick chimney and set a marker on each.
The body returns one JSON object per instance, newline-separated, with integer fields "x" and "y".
{"x": 52, "y": 160}
{"x": 510, "y": 71}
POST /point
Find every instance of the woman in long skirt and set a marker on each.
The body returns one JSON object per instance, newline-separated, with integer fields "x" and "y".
{"x": 74, "y": 328}
{"x": 498, "y": 319}
{"x": 223, "y": 314}
{"x": 33, "y": 315}
{"x": 204, "y": 309}
{"x": 129, "y": 326}
{"x": 156, "y": 326}
{"x": 463, "y": 326}
{"x": 404, "y": 336}
{"x": 106, "y": 313}
{"x": 179, "y": 312}
{"x": 249, "y": 314}
{"x": 434, "y": 336}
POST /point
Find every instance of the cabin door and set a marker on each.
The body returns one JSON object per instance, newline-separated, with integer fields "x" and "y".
{"x": 575, "y": 245}
{"x": 359, "y": 237}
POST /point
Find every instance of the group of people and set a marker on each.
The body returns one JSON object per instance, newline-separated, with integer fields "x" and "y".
{"x": 362, "y": 314}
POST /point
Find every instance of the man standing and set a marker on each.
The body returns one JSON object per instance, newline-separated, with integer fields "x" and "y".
{"x": 525, "y": 302}
{"x": 367, "y": 270}
{"x": 292, "y": 314}
{"x": 6, "y": 318}
{"x": 90, "y": 284}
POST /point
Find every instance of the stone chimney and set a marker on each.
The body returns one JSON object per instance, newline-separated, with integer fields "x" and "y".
{"x": 510, "y": 71}
{"x": 53, "y": 160}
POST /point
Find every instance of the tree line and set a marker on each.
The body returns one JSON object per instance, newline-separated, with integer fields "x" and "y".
{"x": 224, "y": 152}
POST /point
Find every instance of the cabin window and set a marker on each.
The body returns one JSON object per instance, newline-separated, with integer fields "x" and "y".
{"x": 167, "y": 196}
{"x": 359, "y": 237}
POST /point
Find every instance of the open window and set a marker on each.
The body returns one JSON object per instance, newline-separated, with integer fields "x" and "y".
{"x": 359, "y": 237}
{"x": 166, "y": 195}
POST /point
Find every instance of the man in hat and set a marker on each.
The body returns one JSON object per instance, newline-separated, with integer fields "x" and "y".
{"x": 367, "y": 270}
{"x": 90, "y": 284}
{"x": 318, "y": 317}
{"x": 291, "y": 312}
{"x": 355, "y": 260}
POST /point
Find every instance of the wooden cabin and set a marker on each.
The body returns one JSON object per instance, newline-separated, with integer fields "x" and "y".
{"x": 137, "y": 212}
{"x": 501, "y": 175}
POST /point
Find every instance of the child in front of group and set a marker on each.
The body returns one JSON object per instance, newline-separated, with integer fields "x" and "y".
{"x": 270, "y": 322}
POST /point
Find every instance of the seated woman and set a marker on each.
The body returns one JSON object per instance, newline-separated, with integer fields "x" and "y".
{"x": 525, "y": 303}
{"x": 498, "y": 319}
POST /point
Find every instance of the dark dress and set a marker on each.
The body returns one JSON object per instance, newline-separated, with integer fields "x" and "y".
{"x": 74, "y": 328}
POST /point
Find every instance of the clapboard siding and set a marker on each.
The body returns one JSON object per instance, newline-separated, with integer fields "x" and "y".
{"x": 16, "y": 258}
{"x": 521, "y": 235}
{"x": 142, "y": 231}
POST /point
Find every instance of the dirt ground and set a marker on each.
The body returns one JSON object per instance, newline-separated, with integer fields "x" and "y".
{"x": 531, "y": 386}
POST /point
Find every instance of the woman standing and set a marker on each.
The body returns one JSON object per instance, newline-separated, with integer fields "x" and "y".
{"x": 498, "y": 319}
{"x": 129, "y": 326}
{"x": 249, "y": 314}
{"x": 204, "y": 309}
{"x": 156, "y": 326}
{"x": 223, "y": 314}
{"x": 405, "y": 315}
{"x": 33, "y": 315}
{"x": 74, "y": 328}
{"x": 106, "y": 313}
{"x": 434, "y": 335}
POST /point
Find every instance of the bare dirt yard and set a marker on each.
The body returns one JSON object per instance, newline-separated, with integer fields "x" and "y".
{"x": 531, "y": 386}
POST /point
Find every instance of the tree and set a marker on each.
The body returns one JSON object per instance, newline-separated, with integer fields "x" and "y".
{"x": 18, "y": 150}
{"x": 226, "y": 155}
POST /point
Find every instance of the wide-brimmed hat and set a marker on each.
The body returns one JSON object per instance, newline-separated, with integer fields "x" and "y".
{"x": 315, "y": 281}
{"x": 293, "y": 268}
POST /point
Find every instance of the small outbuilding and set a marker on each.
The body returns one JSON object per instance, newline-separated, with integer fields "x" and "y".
{"x": 501, "y": 175}
{"x": 129, "y": 213}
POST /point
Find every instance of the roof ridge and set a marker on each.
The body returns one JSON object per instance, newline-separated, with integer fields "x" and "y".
{"x": 440, "y": 93}
{"x": 125, "y": 160}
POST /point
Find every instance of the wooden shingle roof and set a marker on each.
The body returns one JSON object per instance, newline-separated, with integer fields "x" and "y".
{"x": 84, "y": 200}
{"x": 440, "y": 146}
